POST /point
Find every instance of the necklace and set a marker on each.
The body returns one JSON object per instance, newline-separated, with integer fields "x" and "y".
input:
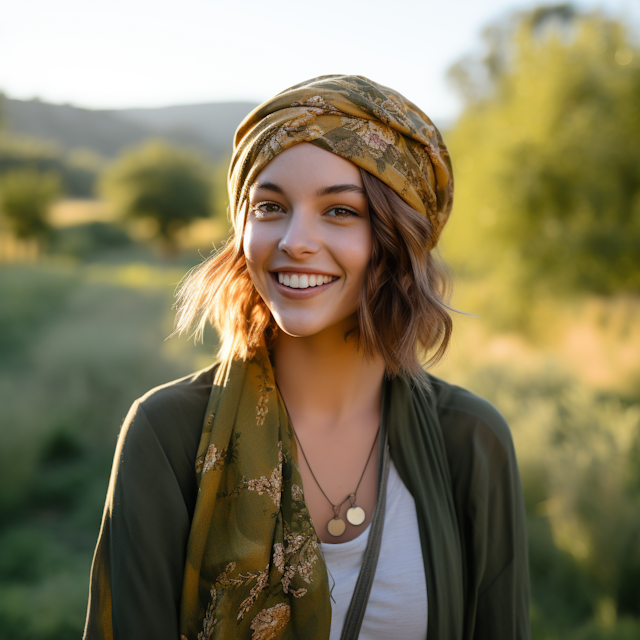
{"x": 355, "y": 514}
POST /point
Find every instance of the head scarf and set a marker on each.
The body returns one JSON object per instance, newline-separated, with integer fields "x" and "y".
{"x": 373, "y": 126}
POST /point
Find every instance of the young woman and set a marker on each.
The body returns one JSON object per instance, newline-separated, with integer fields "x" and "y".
{"x": 315, "y": 482}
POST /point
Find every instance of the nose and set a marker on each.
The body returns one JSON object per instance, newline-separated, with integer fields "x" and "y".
{"x": 300, "y": 237}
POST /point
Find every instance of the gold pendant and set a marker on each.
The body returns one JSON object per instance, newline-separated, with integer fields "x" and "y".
{"x": 356, "y": 515}
{"x": 336, "y": 526}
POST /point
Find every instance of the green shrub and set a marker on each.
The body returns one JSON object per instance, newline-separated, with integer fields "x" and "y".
{"x": 89, "y": 240}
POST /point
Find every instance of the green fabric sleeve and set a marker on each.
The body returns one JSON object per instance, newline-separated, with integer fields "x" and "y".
{"x": 138, "y": 566}
{"x": 491, "y": 517}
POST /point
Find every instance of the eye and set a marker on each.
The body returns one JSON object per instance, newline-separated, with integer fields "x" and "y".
{"x": 265, "y": 208}
{"x": 342, "y": 213}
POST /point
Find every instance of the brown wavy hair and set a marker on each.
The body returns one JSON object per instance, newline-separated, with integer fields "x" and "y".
{"x": 403, "y": 314}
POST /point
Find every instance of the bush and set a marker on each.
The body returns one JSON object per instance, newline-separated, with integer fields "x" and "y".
{"x": 25, "y": 198}
{"x": 89, "y": 240}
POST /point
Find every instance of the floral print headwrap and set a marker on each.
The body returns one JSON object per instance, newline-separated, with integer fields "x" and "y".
{"x": 373, "y": 126}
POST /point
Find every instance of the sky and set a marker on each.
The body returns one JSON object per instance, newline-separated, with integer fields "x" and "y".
{"x": 150, "y": 53}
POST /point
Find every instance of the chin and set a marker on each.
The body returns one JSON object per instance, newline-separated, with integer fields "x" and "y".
{"x": 299, "y": 329}
{"x": 307, "y": 327}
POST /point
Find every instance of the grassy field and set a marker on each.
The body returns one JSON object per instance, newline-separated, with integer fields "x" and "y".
{"x": 77, "y": 346}
{"x": 81, "y": 340}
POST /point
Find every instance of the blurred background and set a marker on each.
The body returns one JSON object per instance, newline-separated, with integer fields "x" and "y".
{"x": 109, "y": 193}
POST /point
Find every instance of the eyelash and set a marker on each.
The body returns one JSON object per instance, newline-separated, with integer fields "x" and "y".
{"x": 351, "y": 213}
{"x": 256, "y": 210}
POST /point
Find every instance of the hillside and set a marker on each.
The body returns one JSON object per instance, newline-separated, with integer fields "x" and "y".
{"x": 213, "y": 123}
{"x": 208, "y": 127}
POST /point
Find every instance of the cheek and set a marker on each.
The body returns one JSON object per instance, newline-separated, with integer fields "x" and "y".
{"x": 254, "y": 255}
{"x": 256, "y": 250}
{"x": 250, "y": 243}
{"x": 357, "y": 255}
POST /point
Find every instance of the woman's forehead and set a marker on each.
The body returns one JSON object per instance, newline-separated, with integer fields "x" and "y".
{"x": 308, "y": 163}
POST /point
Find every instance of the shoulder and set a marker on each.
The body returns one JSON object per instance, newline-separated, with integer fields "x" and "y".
{"x": 169, "y": 418}
{"x": 183, "y": 398}
{"x": 474, "y": 432}
{"x": 453, "y": 402}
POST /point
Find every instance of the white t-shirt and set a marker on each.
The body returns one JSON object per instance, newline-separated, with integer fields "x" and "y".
{"x": 397, "y": 606}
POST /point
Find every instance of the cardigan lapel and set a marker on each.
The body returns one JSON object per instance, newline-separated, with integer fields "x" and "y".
{"x": 418, "y": 451}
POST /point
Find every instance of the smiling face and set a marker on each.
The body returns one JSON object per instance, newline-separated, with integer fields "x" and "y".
{"x": 307, "y": 239}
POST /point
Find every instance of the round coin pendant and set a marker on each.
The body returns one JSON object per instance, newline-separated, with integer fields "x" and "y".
{"x": 336, "y": 527}
{"x": 356, "y": 515}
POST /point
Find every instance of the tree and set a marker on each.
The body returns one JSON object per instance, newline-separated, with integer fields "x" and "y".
{"x": 25, "y": 198}
{"x": 547, "y": 153}
{"x": 168, "y": 185}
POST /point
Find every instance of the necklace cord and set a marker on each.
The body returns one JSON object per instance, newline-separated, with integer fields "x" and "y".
{"x": 313, "y": 475}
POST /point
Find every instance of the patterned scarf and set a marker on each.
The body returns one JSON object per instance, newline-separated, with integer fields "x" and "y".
{"x": 376, "y": 128}
{"x": 254, "y": 567}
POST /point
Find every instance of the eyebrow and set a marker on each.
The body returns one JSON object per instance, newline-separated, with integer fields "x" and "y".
{"x": 323, "y": 191}
{"x": 340, "y": 188}
{"x": 270, "y": 186}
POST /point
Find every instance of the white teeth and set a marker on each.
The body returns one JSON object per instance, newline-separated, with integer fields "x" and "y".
{"x": 303, "y": 280}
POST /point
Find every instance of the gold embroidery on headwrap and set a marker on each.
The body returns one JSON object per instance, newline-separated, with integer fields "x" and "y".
{"x": 376, "y": 137}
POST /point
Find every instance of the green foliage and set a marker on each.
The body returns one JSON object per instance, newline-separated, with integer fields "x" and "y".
{"x": 76, "y": 349}
{"x": 78, "y": 170}
{"x": 86, "y": 241}
{"x": 578, "y": 456}
{"x": 25, "y": 198}
{"x": 547, "y": 154}
{"x": 220, "y": 193}
{"x": 166, "y": 184}
{"x": 37, "y": 298}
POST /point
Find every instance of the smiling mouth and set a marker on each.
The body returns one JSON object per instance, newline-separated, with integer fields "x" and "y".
{"x": 303, "y": 280}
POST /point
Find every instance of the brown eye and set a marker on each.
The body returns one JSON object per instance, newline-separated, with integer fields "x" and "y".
{"x": 263, "y": 208}
{"x": 270, "y": 207}
{"x": 341, "y": 213}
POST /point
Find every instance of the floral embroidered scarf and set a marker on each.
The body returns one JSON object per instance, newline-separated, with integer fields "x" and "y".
{"x": 254, "y": 568}
{"x": 373, "y": 126}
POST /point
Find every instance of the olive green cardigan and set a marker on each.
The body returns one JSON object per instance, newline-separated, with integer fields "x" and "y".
{"x": 452, "y": 450}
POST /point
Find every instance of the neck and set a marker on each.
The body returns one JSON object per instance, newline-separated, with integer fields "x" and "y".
{"x": 325, "y": 380}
